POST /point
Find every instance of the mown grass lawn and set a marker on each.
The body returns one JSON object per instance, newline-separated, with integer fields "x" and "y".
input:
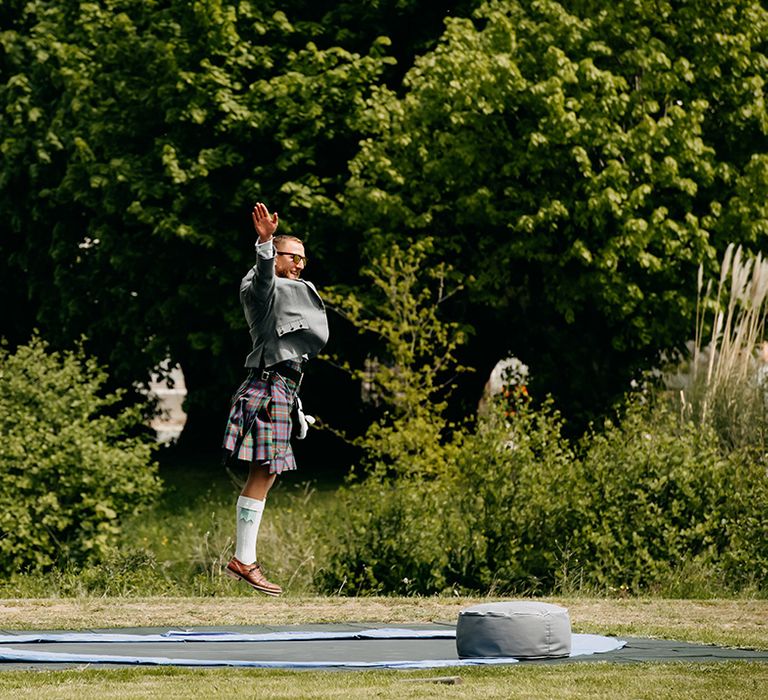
{"x": 722, "y": 681}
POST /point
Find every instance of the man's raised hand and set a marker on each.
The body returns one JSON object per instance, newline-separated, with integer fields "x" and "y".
{"x": 264, "y": 223}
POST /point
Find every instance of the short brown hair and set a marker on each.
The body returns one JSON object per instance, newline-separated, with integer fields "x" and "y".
{"x": 285, "y": 237}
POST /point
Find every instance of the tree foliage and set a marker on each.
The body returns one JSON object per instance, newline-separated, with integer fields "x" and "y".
{"x": 135, "y": 138}
{"x": 413, "y": 367}
{"x": 582, "y": 162}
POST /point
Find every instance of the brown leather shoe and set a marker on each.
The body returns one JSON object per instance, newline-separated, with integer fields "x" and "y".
{"x": 252, "y": 575}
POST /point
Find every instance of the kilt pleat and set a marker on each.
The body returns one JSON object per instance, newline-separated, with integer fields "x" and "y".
{"x": 259, "y": 423}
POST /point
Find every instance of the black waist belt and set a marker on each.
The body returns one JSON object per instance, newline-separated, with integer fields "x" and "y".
{"x": 283, "y": 369}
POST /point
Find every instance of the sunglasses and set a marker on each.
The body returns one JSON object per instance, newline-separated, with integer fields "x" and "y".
{"x": 295, "y": 257}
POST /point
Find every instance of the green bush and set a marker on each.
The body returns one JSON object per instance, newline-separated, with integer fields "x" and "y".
{"x": 487, "y": 517}
{"x": 70, "y": 468}
{"x": 518, "y": 510}
{"x": 513, "y": 485}
{"x": 412, "y": 369}
{"x": 657, "y": 494}
{"x": 387, "y": 536}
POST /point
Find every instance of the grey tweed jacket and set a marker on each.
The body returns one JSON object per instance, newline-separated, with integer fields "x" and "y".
{"x": 286, "y": 318}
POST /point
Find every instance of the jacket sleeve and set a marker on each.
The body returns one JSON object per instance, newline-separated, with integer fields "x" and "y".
{"x": 257, "y": 288}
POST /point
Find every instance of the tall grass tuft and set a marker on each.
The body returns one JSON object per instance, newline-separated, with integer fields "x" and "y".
{"x": 725, "y": 387}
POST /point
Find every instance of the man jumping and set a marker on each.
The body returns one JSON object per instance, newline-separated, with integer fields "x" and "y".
{"x": 287, "y": 322}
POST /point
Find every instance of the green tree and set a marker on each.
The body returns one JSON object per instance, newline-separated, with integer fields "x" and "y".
{"x": 581, "y": 163}
{"x": 412, "y": 366}
{"x": 391, "y": 540}
{"x": 135, "y": 137}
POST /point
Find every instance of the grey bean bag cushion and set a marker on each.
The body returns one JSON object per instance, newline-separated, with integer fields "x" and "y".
{"x": 521, "y": 630}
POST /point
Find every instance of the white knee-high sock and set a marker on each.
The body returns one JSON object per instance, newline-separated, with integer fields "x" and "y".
{"x": 249, "y": 512}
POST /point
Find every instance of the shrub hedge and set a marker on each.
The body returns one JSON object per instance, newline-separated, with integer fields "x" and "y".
{"x": 70, "y": 467}
{"x": 518, "y": 509}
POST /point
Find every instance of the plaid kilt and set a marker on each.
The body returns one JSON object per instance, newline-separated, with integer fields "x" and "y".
{"x": 259, "y": 424}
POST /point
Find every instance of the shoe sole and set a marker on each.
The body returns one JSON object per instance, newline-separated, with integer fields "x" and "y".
{"x": 238, "y": 577}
